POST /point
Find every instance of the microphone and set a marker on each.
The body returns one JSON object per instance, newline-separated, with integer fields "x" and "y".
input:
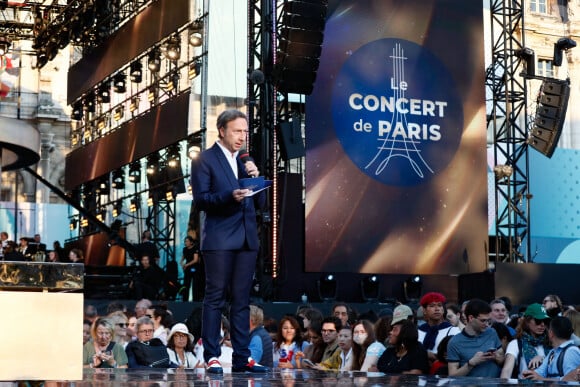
{"x": 245, "y": 157}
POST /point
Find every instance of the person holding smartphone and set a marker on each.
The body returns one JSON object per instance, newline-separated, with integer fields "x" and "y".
{"x": 102, "y": 352}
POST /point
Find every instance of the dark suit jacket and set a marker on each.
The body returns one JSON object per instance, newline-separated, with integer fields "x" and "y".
{"x": 228, "y": 225}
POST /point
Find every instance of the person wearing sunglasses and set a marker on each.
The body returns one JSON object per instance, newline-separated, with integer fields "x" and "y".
{"x": 120, "y": 323}
{"x": 531, "y": 344}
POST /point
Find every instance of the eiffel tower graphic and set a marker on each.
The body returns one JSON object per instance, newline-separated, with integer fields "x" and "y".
{"x": 394, "y": 145}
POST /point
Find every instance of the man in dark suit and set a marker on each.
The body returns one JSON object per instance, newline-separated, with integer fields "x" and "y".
{"x": 229, "y": 240}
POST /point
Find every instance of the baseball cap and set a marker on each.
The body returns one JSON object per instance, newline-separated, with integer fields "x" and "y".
{"x": 401, "y": 313}
{"x": 536, "y": 311}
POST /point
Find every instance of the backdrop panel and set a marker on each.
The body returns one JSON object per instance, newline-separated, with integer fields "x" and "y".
{"x": 396, "y": 165}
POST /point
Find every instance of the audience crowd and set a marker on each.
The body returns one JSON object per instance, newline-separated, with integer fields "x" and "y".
{"x": 540, "y": 342}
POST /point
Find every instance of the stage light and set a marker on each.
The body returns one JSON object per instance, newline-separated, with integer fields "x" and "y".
{"x": 194, "y": 70}
{"x": 117, "y": 208}
{"x": 154, "y": 61}
{"x": 84, "y": 222}
{"x": 152, "y": 94}
{"x": 135, "y": 172}
{"x": 102, "y": 124}
{"x": 152, "y": 164}
{"x": 173, "y": 48}
{"x": 563, "y": 44}
{"x": 327, "y": 287}
{"x": 195, "y": 34}
{"x": 150, "y": 201}
{"x": 412, "y": 288}
{"x": 194, "y": 151}
{"x": 77, "y": 111}
{"x": 73, "y": 224}
{"x": 104, "y": 92}
{"x": 75, "y": 139}
{"x": 169, "y": 195}
{"x": 119, "y": 112}
{"x": 118, "y": 179}
{"x": 89, "y": 104}
{"x": 529, "y": 57}
{"x": 134, "y": 105}
{"x": 103, "y": 186}
{"x": 370, "y": 288}
{"x": 136, "y": 72}
{"x": 119, "y": 85}
{"x": 174, "y": 156}
{"x": 101, "y": 214}
{"x": 135, "y": 204}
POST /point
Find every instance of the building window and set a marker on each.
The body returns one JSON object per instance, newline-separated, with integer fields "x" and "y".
{"x": 545, "y": 68}
{"x": 539, "y": 6}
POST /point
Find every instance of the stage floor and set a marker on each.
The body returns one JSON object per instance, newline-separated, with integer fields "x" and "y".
{"x": 286, "y": 378}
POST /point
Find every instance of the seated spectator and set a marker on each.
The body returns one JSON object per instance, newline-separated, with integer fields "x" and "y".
{"x": 574, "y": 316}
{"x": 440, "y": 366}
{"x": 131, "y": 328}
{"x": 141, "y": 307}
{"x": 365, "y": 349}
{"x": 341, "y": 360}
{"x": 180, "y": 347}
{"x": 454, "y": 316}
{"x": 477, "y": 350}
{"x": 500, "y": 314}
{"x": 162, "y": 320}
{"x": 120, "y": 322}
{"x": 531, "y": 344}
{"x": 553, "y": 305}
{"x": 261, "y": 349}
{"x": 102, "y": 352}
{"x": 76, "y": 256}
{"x": 405, "y": 355}
{"x": 226, "y": 349}
{"x": 52, "y": 256}
{"x": 315, "y": 351}
{"x": 11, "y": 252}
{"x": 288, "y": 346}
{"x": 311, "y": 316}
{"x": 503, "y": 333}
{"x": 147, "y": 351}
{"x": 344, "y": 312}
{"x": 563, "y": 359}
{"x": 435, "y": 327}
{"x": 86, "y": 331}
{"x": 383, "y": 329}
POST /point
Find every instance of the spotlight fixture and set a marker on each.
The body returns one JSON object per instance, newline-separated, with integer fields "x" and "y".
{"x": 173, "y": 156}
{"x": 104, "y": 93}
{"x": 84, "y": 222}
{"x": 327, "y": 288}
{"x": 173, "y": 48}
{"x": 117, "y": 208}
{"x": 370, "y": 288}
{"x": 119, "y": 112}
{"x": 135, "y": 172}
{"x": 154, "y": 61}
{"x": 412, "y": 288}
{"x": 169, "y": 194}
{"x": 150, "y": 201}
{"x": 194, "y": 70}
{"x": 135, "y": 204}
{"x": 118, "y": 179}
{"x": 4, "y": 45}
{"x": 195, "y": 36}
{"x": 119, "y": 85}
{"x": 102, "y": 124}
{"x": 101, "y": 214}
{"x": 89, "y": 104}
{"x": 136, "y": 72}
{"x": 77, "y": 111}
{"x": 73, "y": 224}
{"x": 152, "y": 94}
{"x": 134, "y": 105}
{"x": 103, "y": 187}
{"x": 152, "y": 164}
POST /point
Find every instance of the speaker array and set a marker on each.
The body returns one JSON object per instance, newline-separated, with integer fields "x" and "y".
{"x": 550, "y": 115}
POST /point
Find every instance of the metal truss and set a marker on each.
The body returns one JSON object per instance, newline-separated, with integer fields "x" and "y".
{"x": 262, "y": 119}
{"x": 161, "y": 223}
{"x": 509, "y": 120}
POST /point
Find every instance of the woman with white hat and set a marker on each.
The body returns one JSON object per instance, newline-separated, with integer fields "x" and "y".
{"x": 180, "y": 346}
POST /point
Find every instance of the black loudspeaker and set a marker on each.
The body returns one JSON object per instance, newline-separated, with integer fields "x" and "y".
{"x": 300, "y": 45}
{"x": 550, "y": 115}
{"x": 290, "y": 139}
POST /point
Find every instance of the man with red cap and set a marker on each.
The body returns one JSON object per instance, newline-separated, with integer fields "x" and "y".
{"x": 436, "y": 327}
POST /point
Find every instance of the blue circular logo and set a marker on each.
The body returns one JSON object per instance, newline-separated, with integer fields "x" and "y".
{"x": 397, "y": 112}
